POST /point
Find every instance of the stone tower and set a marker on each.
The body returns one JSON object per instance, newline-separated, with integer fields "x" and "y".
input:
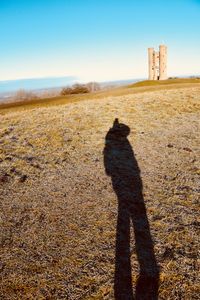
{"x": 158, "y": 63}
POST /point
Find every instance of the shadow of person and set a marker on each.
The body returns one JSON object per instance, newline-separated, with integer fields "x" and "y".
{"x": 121, "y": 165}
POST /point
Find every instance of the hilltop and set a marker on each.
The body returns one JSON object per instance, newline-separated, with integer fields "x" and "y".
{"x": 138, "y": 87}
{"x": 58, "y": 201}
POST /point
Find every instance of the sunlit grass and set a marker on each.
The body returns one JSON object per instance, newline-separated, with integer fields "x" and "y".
{"x": 58, "y": 224}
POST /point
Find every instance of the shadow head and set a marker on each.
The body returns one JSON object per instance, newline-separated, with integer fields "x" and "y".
{"x": 120, "y": 129}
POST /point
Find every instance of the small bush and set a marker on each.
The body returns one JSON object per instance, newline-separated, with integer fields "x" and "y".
{"x": 66, "y": 91}
{"x": 75, "y": 89}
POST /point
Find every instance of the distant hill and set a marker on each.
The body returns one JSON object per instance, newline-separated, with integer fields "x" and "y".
{"x": 52, "y": 85}
{"x": 35, "y": 83}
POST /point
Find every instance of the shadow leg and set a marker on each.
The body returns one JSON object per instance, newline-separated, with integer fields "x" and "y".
{"x": 147, "y": 283}
{"x": 123, "y": 279}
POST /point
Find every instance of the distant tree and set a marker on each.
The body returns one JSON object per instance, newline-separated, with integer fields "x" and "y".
{"x": 195, "y": 77}
{"x": 75, "y": 89}
{"x": 66, "y": 91}
{"x": 93, "y": 86}
{"x": 80, "y": 89}
{"x": 24, "y": 95}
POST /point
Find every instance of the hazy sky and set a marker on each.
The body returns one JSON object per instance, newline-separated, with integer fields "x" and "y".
{"x": 96, "y": 39}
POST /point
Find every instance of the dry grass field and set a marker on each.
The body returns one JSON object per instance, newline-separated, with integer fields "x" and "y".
{"x": 59, "y": 198}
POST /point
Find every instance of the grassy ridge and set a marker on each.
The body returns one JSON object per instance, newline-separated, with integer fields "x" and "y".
{"x": 138, "y": 87}
{"x": 165, "y": 82}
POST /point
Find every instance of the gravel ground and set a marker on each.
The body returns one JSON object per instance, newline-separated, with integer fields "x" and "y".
{"x": 59, "y": 205}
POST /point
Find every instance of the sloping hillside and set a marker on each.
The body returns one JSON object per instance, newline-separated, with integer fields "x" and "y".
{"x": 93, "y": 209}
{"x": 135, "y": 88}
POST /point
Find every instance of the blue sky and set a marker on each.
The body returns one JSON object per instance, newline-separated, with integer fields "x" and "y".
{"x": 96, "y": 40}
